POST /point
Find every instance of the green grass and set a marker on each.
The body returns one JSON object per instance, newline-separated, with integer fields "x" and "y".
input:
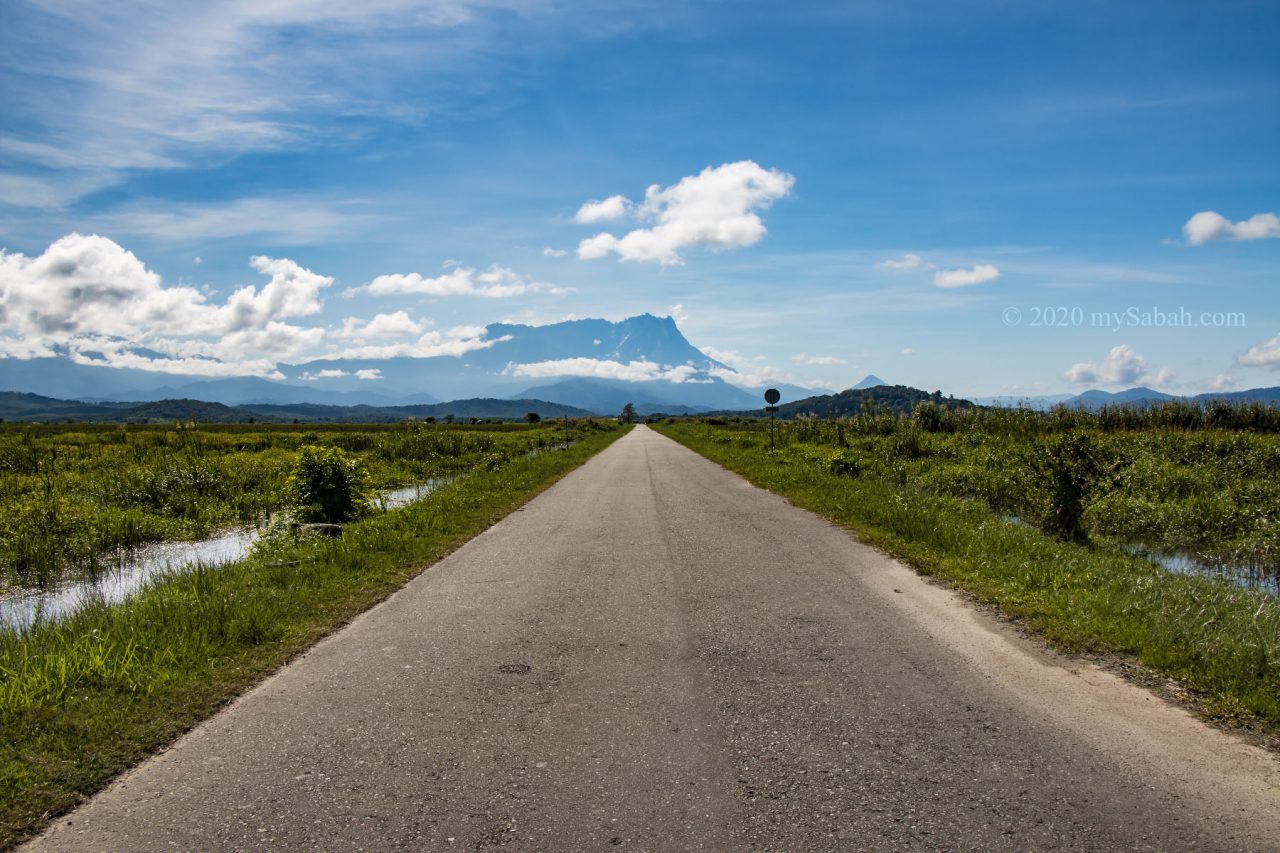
{"x": 71, "y": 495}
{"x": 1220, "y": 641}
{"x": 85, "y": 698}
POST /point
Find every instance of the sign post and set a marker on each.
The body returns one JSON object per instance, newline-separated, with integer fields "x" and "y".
{"x": 771, "y": 397}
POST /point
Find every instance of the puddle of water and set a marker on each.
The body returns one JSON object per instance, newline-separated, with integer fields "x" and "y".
{"x": 1249, "y": 576}
{"x": 1254, "y": 576}
{"x": 24, "y": 607}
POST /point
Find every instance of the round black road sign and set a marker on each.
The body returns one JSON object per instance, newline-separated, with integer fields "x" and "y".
{"x": 772, "y": 396}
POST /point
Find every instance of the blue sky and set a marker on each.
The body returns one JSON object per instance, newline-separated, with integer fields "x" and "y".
{"x": 1044, "y": 160}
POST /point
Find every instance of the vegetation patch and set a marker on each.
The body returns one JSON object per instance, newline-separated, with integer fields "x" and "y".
{"x": 86, "y": 697}
{"x": 1023, "y": 510}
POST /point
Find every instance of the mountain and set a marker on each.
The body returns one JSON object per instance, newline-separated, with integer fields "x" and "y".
{"x": 1043, "y": 402}
{"x": 1094, "y": 399}
{"x": 607, "y": 397}
{"x": 586, "y": 364}
{"x": 1254, "y": 395}
{"x": 868, "y": 381}
{"x": 478, "y": 407}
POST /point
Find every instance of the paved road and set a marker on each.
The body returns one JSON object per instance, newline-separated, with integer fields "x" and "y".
{"x": 653, "y": 655}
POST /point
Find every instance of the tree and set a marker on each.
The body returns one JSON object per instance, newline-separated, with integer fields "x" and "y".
{"x": 628, "y": 414}
{"x": 533, "y": 417}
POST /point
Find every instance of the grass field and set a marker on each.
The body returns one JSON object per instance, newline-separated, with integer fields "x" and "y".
{"x": 84, "y": 698}
{"x": 72, "y": 495}
{"x": 978, "y": 499}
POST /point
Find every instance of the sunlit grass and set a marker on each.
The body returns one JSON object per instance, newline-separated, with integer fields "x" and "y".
{"x": 84, "y": 698}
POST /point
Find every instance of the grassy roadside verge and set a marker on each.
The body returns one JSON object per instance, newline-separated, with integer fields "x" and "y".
{"x": 1220, "y": 642}
{"x": 86, "y": 698}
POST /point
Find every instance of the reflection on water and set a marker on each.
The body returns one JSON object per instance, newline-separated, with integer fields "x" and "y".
{"x": 23, "y": 607}
{"x": 20, "y": 609}
{"x": 1248, "y": 575}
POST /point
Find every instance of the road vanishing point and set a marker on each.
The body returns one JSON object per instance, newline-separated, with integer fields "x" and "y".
{"x": 655, "y": 655}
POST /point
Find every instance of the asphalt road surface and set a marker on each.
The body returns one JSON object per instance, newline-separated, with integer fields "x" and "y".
{"x": 654, "y": 655}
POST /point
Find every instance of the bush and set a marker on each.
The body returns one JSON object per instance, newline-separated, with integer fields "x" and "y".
{"x": 1069, "y": 472}
{"x": 328, "y": 487}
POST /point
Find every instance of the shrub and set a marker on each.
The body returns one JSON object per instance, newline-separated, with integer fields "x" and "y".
{"x": 327, "y": 486}
{"x": 1069, "y": 473}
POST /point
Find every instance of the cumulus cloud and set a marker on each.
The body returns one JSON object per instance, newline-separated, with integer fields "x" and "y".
{"x": 1122, "y": 366}
{"x": 1265, "y": 354}
{"x": 369, "y": 374}
{"x": 455, "y": 342}
{"x": 613, "y": 207}
{"x": 966, "y": 277}
{"x": 1209, "y": 226}
{"x": 717, "y": 208}
{"x": 397, "y": 324}
{"x": 496, "y": 282}
{"x": 1222, "y": 382}
{"x": 906, "y": 262}
{"x": 803, "y": 358}
{"x": 89, "y": 298}
{"x": 554, "y": 253}
{"x": 632, "y": 371}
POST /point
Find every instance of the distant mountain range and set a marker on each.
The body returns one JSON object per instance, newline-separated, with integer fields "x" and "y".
{"x": 644, "y": 360}
{"x": 1095, "y": 399}
{"x": 17, "y": 406}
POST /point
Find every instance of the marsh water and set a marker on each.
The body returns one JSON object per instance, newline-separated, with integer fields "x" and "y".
{"x": 135, "y": 567}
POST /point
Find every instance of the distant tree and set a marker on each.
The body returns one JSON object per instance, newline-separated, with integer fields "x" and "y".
{"x": 449, "y": 418}
{"x": 533, "y": 417}
{"x": 628, "y": 414}
{"x": 430, "y": 419}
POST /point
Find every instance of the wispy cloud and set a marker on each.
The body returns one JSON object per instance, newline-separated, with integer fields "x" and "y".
{"x": 631, "y": 371}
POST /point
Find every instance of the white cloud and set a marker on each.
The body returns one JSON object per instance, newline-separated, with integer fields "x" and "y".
{"x": 678, "y": 314}
{"x": 1222, "y": 382}
{"x": 1164, "y": 376}
{"x": 613, "y": 207}
{"x": 1122, "y": 366}
{"x": 802, "y": 358}
{"x": 1265, "y": 354}
{"x": 966, "y": 277}
{"x": 397, "y": 324}
{"x": 554, "y": 253}
{"x": 632, "y": 371}
{"x": 1209, "y": 226}
{"x": 89, "y": 298}
{"x": 323, "y": 374}
{"x": 906, "y": 262}
{"x": 906, "y": 351}
{"x": 455, "y": 342}
{"x": 715, "y": 208}
{"x": 369, "y": 374}
{"x": 496, "y": 282}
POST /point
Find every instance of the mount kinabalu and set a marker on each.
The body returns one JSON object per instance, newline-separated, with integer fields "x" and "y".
{"x": 517, "y": 358}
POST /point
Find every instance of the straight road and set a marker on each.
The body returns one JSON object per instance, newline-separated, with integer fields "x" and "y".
{"x": 654, "y": 655}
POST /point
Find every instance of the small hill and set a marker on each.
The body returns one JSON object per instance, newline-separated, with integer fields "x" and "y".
{"x": 897, "y": 399}
{"x": 186, "y": 410}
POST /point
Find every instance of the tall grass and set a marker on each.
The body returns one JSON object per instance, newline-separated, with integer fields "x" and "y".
{"x": 72, "y": 495}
